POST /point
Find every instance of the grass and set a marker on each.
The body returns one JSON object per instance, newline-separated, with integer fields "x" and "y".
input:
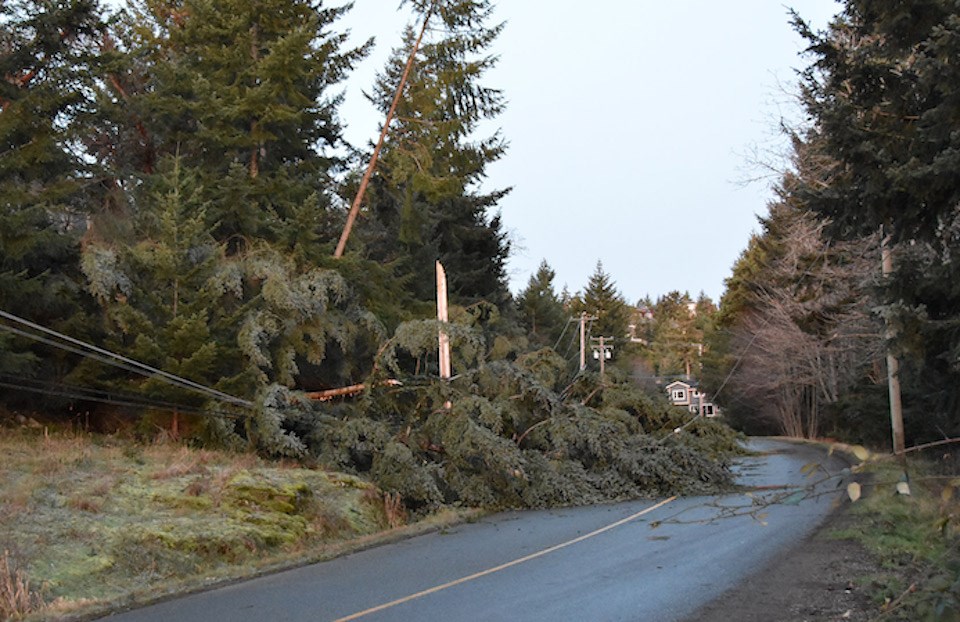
{"x": 915, "y": 538}
{"x": 89, "y": 523}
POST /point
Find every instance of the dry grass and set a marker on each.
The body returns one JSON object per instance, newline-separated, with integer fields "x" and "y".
{"x": 17, "y": 599}
{"x": 95, "y": 520}
{"x": 394, "y": 509}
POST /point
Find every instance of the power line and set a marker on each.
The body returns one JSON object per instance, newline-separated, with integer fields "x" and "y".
{"x": 114, "y": 359}
{"x": 740, "y": 357}
{"x": 562, "y": 333}
{"x": 137, "y": 403}
{"x": 66, "y": 348}
{"x": 120, "y": 398}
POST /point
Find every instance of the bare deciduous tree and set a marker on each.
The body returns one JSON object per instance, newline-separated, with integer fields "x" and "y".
{"x": 808, "y": 334}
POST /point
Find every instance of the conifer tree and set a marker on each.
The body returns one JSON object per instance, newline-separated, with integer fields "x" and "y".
{"x": 45, "y": 51}
{"x": 246, "y": 324}
{"x": 677, "y": 338}
{"x": 162, "y": 292}
{"x": 882, "y": 92}
{"x": 243, "y": 92}
{"x": 540, "y": 309}
{"x": 425, "y": 200}
{"x": 600, "y": 298}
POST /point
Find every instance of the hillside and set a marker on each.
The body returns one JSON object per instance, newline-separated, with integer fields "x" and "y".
{"x": 90, "y": 522}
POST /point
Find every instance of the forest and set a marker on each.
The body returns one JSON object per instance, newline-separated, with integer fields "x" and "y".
{"x": 856, "y": 262}
{"x": 174, "y": 181}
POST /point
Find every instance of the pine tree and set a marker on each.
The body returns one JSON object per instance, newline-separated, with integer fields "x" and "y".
{"x": 45, "y": 51}
{"x": 424, "y": 199}
{"x": 600, "y": 298}
{"x": 540, "y": 309}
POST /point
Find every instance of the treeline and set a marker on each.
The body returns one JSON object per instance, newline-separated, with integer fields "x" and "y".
{"x": 653, "y": 341}
{"x": 173, "y": 180}
{"x": 808, "y": 312}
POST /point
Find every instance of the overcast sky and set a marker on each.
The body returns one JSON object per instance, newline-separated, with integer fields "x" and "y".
{"x": 632, "y": 129}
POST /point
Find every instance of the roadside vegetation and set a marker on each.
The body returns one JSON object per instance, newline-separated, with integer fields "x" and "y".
{"x": 174, "y": 182}
{"x": 90, "y": 522}
{"x": 909, "y": 520}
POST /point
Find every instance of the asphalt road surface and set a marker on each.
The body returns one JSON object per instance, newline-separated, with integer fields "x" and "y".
{"x": 659, "y": 559}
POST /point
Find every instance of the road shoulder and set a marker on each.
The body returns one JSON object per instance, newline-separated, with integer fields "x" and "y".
{"x": 822, "y": 578}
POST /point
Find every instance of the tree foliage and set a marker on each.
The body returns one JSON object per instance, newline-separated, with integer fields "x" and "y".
{"x": 500, "y": 434}
{"x": 45, "y": 51}
{"x": 882, "y": 95}
{"x": 540, "y": 310}
{"x": 676, "y": 343}
{"x": 806, "y": 341}
{"x": 171, "y": 183}
{"x": 425, "y": 203}
{"x": 601, "y": 299}
{"x": 243, "y": 93}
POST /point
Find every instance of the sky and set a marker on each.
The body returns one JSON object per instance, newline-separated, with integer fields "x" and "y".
{"x": 635, "y": 131}
{"x": 641, "y": 134}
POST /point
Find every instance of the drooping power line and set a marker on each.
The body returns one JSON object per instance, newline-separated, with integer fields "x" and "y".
{"x": 105, "y": 397}
{"x": 117, "y": 360}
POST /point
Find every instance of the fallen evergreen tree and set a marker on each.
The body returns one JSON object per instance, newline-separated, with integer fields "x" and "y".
{"x": 503, "y": 433}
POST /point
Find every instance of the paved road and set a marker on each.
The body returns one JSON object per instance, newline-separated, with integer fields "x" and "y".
{"x": 594, "y": 563}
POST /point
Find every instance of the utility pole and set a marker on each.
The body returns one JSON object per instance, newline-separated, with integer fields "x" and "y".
{"x": 893, "y": 365}
{"x": 442, "y": 318}
{"x": 355, "y": 207}
{"x": 583, "y": 338}
{"x": 445, "y": 371}
{"x": 602, "y": 352}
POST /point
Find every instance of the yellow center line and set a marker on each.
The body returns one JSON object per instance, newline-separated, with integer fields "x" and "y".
{"x": 515, "y": 562}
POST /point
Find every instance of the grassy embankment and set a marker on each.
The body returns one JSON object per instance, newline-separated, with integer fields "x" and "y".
{"x": 915, "y": 537}
{"x": 90, "y": 523}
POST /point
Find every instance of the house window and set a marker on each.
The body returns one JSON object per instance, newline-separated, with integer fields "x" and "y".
{"x": 707, "y": 410}
{"x": 679, "y": 395}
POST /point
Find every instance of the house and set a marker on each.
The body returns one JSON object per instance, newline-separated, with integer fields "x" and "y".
{"x": 687, "y": 395}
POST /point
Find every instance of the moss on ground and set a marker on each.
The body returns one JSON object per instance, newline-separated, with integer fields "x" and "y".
{"x": 91, "y": 520}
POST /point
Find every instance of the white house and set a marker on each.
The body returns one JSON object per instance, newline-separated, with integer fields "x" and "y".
{"x": 687, "y": 395}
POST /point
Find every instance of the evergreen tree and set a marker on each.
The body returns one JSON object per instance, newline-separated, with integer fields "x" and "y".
{"x": 677, "y": 340}
{"x": 882, "y": 92}
{"x": 424, "y": 199}
{"x": 246, "y": 324}
{"x": 209, "y": 265}
{"x": 45, "y": 55}
{"x": 541, "y": 311}
{"x": 242, "y": 91}
{"x": 601, "y": 299}
{"x": 161, "y": 292}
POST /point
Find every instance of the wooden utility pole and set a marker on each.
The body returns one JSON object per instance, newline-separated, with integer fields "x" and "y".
{"x": 893, "y": 365}
{"x": 602, "y": 352}
{"x": 442, "y": 316}
{"x": 583, "y": 341}
{"x": 355, "y": 208}
{"x": 583, "y": 338}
